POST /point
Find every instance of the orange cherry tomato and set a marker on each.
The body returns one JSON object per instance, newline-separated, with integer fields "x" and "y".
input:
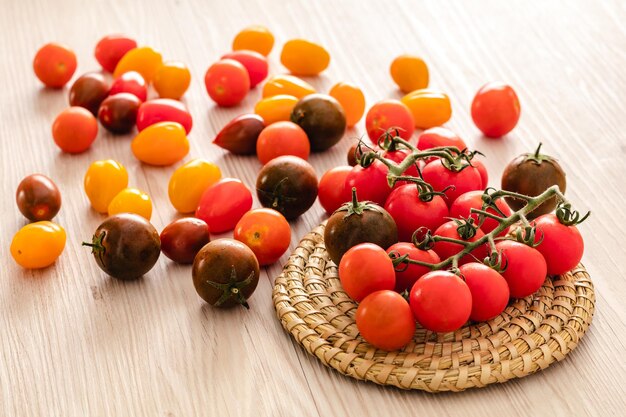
{"x": 188, "y": 183}
{"x": 282, "y": 138}
{"x": 409, "y": 72}
{"x": 275, "y": 109}
{"x": 388, "y": 114}
{"x": 54, "y": 65}
{"x": 302, "y": 57}
{"x": 351, "y": 99}
{"x": 103, "y": 181}
{"x": 266, "y": 232}
{"x": 429, "y": 108}
{"x": 38, "y": 245}
{"x": 163, "y": 143}
{"x": 254, "y": 38}
{"x": 287, "y": 84}
{"x": 74, "y": 129}
{"x": 145, "y": 60}
{"x": 227, "y": 82}
{"x": 171, "y": 80}
{"x": 131, "y": 200}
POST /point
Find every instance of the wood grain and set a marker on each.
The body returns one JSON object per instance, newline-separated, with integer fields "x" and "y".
{"x": 74, "y": 342}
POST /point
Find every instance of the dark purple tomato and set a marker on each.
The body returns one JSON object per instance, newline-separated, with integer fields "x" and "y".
{"x": 89, "y": 91}
{"x": 130, "y": 82}
{"x": 38, "y": 198}
{"x": 163, "y": 110}
{"x": 239, "y": 136}
{"x": 182, "y": 239}
{"x": 118, "y": 113}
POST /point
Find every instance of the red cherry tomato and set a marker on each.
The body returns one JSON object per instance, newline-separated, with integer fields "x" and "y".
{"x": 118, "y": 113}
{"x": 388, "y": 114}
{"x": 255, "y": 63}
{"x": 439, "y": 136}
{"x": 223, "y": 204}
{"x": 448, "y": 249}
{"x": 440, "y": 177}
{"x": 526, "y": 268}
{"x": 182, "y": 239}
{"x": 482, "y": 169}
{"x": 474, "y": 199}
{"x": 495, "y": 109}
{"x": 111, "y": 48}
{"x": 332, "y": 190}
{"x": 75, "y": 129}
{"x": 282, "y": 138}
{"x": 441, "y": 301}
{"x": 364, "y": 269}
{"x": 562, "y": 246}
{"x": 163, "y": 110}
{"x": 385, "y": 321}
{"x": 408, "y": 273}
{"x": 398, "y": 156}
{"x": 266, "y": 232}
{"x": 54, "y": 65}
{"x": 370, "y": 183}
{"x": 130, "y": 82}
{"x": 490, "y": 292}
{"x": 227, "y": 82}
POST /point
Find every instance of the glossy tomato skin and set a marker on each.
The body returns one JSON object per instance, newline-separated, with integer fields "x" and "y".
{"x": 410, "y": 212}
{"x": 322, "y": 118}
{"x": 266, "y": 232}
{"x": 282, "y": 138}
{"x": 370, "y": 183}
{"x": 275, "y": 108}
{"x": 38, "y": 198}
{"x": 227, "y": 82}
{"x": 255, "y": 63}
{"x": 74, "y": 130}
{"x": 240, "y": 135}
{"x": 490, "y": 291}
{"x": 130, "y": 82}
{"x": 103, "y": 181}
{"x": 163, "y": 110}
{"x": 38, "y": 245}
{"x": 409, "y": 72}
{"x": 302, "y": 57}
{"x": 332, "y": 191}
{"x": 364, "y": 269}
{"x": 89, "y": 91}
{"x": 496, "y": 109}
{"x": 223, "y": 204}
{"x": 562, "y": 246}
{"x": 439, "y": 136}
{"x": 145, "y": 60}
{"x": 110, "y": 49}
{"x": 388, "y": 114}
{"x": 182, "y": 239}
{"x": 172, "y": 80}
{"x": 131, "y": 200}
{"x": 482, "y": 170}
{"x": 283, "y": 84}
{"x": 256, "y": 38}
{"x": 448, "y": 249}
{"x": 118, "y": 113}
{"x": 408, "y": 274}
{"x": 54, "y": 65}
{"x": 351, "y": 99}
{"x": 188, "y": 183}
{"x": 161, "y": 144}
{"x": 428, "y": 107}
{"x": 385, "y": 321}
{"x": 526, "y": 268}
{"x": 441, "y": 301}
{"x": 473, "y": 199}
{"x": 440, "y": 177}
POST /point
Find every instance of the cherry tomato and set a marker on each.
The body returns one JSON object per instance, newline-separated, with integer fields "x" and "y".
{"x": 131, "y": 200}
{"x": 74, "y": 130}
{"x": 302, "y": 57}
{"x": 130, "y": 82}
{"x": 276, "y": 108}
{"x": 89, "y": 91}
{"x": 118, "y": 113}
{"x": 429, "y": 108}
{"x": 410, "y": 212}
{"x": 448, "y": 249}
{"x": 385, "y": 321}
{"x": 171, "y": 80}
{"x": 38, "y": 245}
{"x": 103, "y": 181}
{"x": 439, "y": 136}
{"x": 388, "y": 114}
{"x": 227, "y": 82}
{"x": 408, "y": 273}
{"x": 254, "y": 62}
{"x": 254, "y": 38}
{"x": 560, "y": 257}
{"x": 526, "y": 268}
{"x": 54, "y": 65}
{"x": 351, "y": 99}
{"x": 145, "y": 60}
{"x": 38, "y": 198}
{"x": 223, "y": 204}
{"x": 282, "y": 138}
{"x": 332, "y": 190}
{"x": 182, "y": 239}
{"x": 490, "y": 292}
{"x": 163, "y": 110}
{"x": 440, "y": 177}
{"x": 266, "y": 232}
{"x": 111, "y": 48}
{"x": 398, "y": 156}
{"x": 370, "y": 183}
{"x": 188, "y": 183}
{"x": 409, "y": 72}
{"x": 239, "y": 136}
{"x": 474, "y": 199}
{"x": 441, "y": 301}
{"x": 364, "y": 269}
{"x": 161, "y": 144}
{"x": 287, "y": 84}
{"x": 495, "y": 109}
{"x": 482, "y": 169}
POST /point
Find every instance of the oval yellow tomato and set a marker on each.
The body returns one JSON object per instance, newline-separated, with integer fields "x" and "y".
{"x": 38, "y": 245}
{"x": 429, "y": 108}
{"x": 275, "y": 109}
{"x": 409, "y": 72}
{"x": 131, "y": 200}
{"x": 103, "y": 180}
{"x": 287, "y": 84}
{"x": 144, "y": 60}
{"x": 163, "y": 143}
{"x": 254, "y": 38}
{"x": 171, "y": 80}
{"x": 302, "y": 57}
{"x": 188, "y": 183}
{"x": 351, "y": 99}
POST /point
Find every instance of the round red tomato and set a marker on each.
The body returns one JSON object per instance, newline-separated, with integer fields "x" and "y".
{"x": 562, "y": 246}
{"x": 111, "y": 48}
{"x": 255, "y": 63}
{"x": 440, "y": 177}
{"x": 282, "y": 138}
{"x": 490, "y": 292}
{"x": 408, "y": 273}
{"x": 388, "y": 114}
{"x": 441, "y": 301}
{"x": 364, "y": 269}
{"x": 385, "y": 321}
{"x": 482, "y": 169}
{"x": 130, "y": 82}
{"x": 526, "y": 268}
{"x": 398, "y": 156}
{"x": 474, "y": 200}
{"x": 223, "y": 204}
{"x": 448, "y": 249}
{"x": 332, "y": 190}
{"x": 439, "y": 136}
{"x": 54, "y": 65}
{"x": 266, "y": 232}
{"x": 163, "y": 110}
{"x": 370, "y": 183}
{"x": 75, "y": 129}
{"x": 227, "y": 82}
{"x": 495, "y": 109}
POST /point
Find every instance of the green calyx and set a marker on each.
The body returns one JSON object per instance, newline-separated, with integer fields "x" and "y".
{"x": 356, "y": 207}
{"x": 232, "y": 290}
{"x": 538, "y": 158}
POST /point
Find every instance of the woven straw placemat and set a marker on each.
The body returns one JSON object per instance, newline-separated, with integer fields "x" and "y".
{"x": 531, "y": 334}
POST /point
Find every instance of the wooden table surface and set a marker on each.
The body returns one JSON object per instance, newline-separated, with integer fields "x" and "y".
{"x": 74, "y": 342}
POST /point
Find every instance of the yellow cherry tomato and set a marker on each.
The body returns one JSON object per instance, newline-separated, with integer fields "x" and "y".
{"x": 144, "y": 60}
{"x": 351, "y": 99}
{"x": 172, "y": 80}
{"x": 254, "y": 38}
{"x": 276, "y": 109}
{"x": 189, "y": 181}
{"x": 103, "y": 180}
{"x": 302, "y": 57}
{"x": 38, "y": 245}
{"x": 131, "y": 200}
{"x": 430, "y": 108}
{"x": 163, "y": 143}
{"x": 287, "y": 84}
{"x": 409, "y": 72}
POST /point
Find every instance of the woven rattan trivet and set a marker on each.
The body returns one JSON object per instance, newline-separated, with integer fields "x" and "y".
{"x": 531, "y": 334}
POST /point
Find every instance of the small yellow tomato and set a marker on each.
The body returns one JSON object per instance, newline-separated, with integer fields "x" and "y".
{"x": 429, "y": 108}
{"x": 302, "y": 57}
{"x": 172, "y": 80}
{"x": 351, "y": 99}
{"x": 163, "y": 143}
{"x": 103, "y": 180}
{"x": 409, "y": 72}
{"x": 144, "y": 60}
{"x": 276, "y": 109}
{"x": 287, "y": 84}
{"x": 131, "y": 200}
{"x": 189, "y": 181}
{"x": 38, "y": 245}
{"x": 254, "y": 38}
